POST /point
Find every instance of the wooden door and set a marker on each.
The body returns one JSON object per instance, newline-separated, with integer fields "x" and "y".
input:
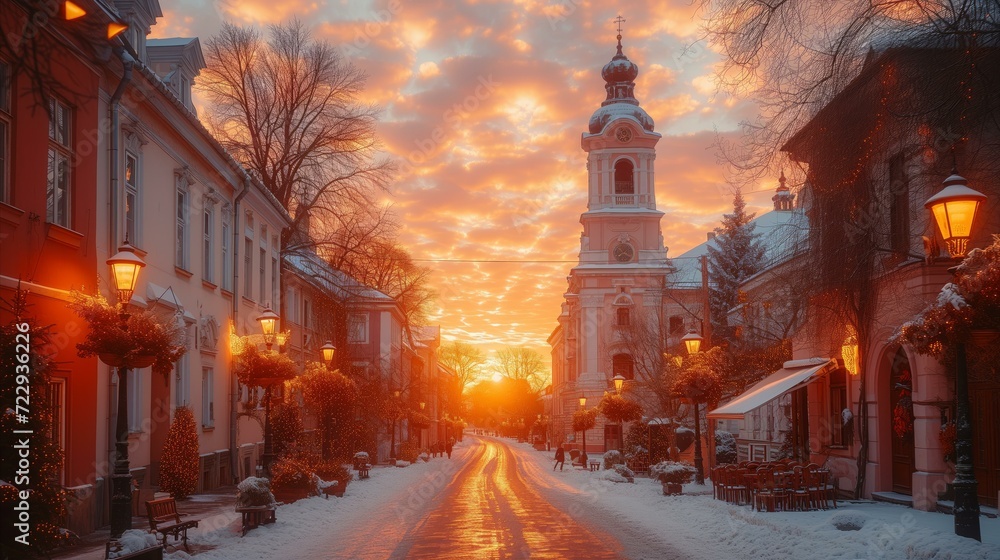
{"x": 901, "y": 424}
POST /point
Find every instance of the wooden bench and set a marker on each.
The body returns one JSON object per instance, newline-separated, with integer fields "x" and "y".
{"x": 255, "y": 516}
{"x": 595, "y": 466}
{"x": 164, "y": 519}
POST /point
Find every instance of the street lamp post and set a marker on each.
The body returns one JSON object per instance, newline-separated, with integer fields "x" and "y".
{"x": 954, "y": 209}
{"x": 125, "y": 266}
{"x": 395, "y": 415}
{"x": 583, "y": 452}
{"x": 692, "y": 341}
{"x": 268, "y": 321}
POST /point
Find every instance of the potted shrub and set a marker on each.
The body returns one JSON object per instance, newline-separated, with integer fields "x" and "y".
{"x": 333, "y": 472}
{"x": 292, "y": 479}
{"x": 625, "y": 472}
{"x": 672, "y": 476}
{"x": 254, "y": 491}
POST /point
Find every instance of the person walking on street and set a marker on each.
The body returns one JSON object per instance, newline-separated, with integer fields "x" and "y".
{"x": 451, "y": 443}
{"x": 560, "y": 457}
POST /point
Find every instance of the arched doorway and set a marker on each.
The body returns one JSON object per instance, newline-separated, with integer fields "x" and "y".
{"x": 901, "y": 423}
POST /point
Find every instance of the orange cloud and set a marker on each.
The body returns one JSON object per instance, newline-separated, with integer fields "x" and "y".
{"x": 483, "y": 108}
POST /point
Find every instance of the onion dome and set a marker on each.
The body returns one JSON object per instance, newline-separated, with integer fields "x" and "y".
{"x": 619, "y": 77}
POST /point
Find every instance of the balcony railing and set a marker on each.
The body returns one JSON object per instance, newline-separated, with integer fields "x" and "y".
{"x": 624, "y": 200}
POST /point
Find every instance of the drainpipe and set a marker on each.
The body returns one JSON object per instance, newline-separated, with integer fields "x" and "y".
{"x": 127, "y": 62}
{"x": 233, "y": 387}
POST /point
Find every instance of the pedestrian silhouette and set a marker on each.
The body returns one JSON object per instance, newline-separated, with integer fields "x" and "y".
{"x": 560, "y": 457}
{"x": 451, "y": 443}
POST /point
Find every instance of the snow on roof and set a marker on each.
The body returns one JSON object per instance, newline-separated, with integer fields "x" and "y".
{"x": 782, "y": 233}
{"x": 337, "y": 283}
{"x": 170, "y": 41}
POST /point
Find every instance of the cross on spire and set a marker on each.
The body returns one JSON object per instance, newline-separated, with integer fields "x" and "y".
{"x": 619, "y": 20}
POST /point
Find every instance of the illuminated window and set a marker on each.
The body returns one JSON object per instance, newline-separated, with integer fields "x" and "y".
{"x": 132, "y": 197}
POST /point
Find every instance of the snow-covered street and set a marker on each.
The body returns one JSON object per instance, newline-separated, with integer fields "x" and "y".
{"x": 498, "y": 499}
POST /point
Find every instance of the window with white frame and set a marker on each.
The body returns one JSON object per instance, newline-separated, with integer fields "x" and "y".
{"x": 182, "y": 382}
{"x": 136, "y": 410}
{"x": 262, "y": 264}
{"x": 57, "y": 193}
{"x": 132, "y": 205}
{"x": 275, "y": 270}
{"x": 6, "y": 125}
{"x": 357, "y": 328}
{"x": 227, "y": 257}
{"x": 208, "y": 243}
{"x": 181, "y": 236}
{"x": 306, "y": 314}
{"x": 248, "y": 257}
{"x": 207, "y": 397}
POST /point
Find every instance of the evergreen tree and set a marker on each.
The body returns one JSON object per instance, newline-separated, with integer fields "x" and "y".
{"x": 26, "y": 375}
{"x": 737, "y": 255}
{"x": 179, "y": 463}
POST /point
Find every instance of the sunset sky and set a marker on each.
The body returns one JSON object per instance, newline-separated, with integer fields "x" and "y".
{"x": 484, "y": 104}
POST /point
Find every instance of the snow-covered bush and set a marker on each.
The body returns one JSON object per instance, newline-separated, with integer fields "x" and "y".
{"x": 671, "y": 472}
{"x": 613, "y": 476}
{"x": 362, "y": 456}
{"x": 612, "y": 458}
{"x": 625, "y": 472}
{"x": 848, "y": 520}
{"x": 254, "y": 491}
{"x": 425, "y": 457}
{"x": 725, "y": 447}
{"x": 401, "y": 463}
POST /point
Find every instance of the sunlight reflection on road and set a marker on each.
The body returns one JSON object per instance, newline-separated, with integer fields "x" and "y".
{"x": 490, "y": 511}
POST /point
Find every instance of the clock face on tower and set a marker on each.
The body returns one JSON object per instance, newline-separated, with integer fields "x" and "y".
{"x": 623, "y": 252}
{"x": 623, "y": 134}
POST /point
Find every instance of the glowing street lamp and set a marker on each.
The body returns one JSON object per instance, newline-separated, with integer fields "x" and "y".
{"x": 328, "y": 349}
{"x": 692, "y": 341}
{"x": 619, "y": 383}
{"x": 954, "y": 210}
{"x": 268, "y": 320}
{"x": 125, "y": 266}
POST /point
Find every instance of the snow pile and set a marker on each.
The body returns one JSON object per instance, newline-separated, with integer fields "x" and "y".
{"x": 401, "y": 463}
{"x": 613, "y": 476}
{"x": 132, "y": 541}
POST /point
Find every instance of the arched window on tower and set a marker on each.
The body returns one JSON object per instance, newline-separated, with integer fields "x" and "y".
{"x": 621, "y": 364}
{"x": 624, "y": 177}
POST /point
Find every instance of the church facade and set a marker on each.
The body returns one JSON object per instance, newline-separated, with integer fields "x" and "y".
{"x": 621, "y": 274}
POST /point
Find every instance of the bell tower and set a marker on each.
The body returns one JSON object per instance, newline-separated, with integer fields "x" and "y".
{"x": 618, "y": 283}
{"x": 621, "y": 225}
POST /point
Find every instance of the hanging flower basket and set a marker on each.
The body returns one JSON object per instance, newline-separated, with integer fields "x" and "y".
{"x": 145, "y": 339}
{"x": 261, "y": 369}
